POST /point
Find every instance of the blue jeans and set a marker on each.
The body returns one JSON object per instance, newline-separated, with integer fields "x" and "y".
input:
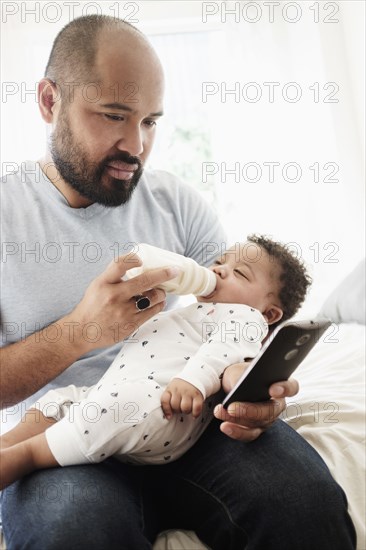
{"x": 274, "y": 493}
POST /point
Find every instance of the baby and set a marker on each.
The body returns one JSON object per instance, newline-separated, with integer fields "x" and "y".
{"x": 156, "y": 398}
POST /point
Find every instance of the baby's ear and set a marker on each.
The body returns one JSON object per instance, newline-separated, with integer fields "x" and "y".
{"x": 273, "y": 314}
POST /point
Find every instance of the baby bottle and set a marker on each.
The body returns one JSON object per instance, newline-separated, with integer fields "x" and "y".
{"x": 193, "y": 279}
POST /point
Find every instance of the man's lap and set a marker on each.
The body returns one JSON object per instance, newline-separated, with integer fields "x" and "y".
{"x": 231, "y": 493}
{"x": 276, "y": 485}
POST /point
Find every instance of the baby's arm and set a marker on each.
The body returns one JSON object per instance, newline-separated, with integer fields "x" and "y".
{"x": 235, "y": 334}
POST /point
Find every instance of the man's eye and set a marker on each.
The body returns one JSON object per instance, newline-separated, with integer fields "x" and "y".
{"x": 150, "y": 123}
{"x": 116, "y": 118}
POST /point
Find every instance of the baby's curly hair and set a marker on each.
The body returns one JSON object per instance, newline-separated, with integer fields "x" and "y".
{"x": 294, "y": 279}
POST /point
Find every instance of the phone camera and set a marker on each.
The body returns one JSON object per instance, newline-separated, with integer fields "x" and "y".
{"x": 291, "y": 354}
{"x": 303, "y": 339}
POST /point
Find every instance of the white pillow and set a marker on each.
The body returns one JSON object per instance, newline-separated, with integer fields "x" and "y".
{"x": 346, "y": 304}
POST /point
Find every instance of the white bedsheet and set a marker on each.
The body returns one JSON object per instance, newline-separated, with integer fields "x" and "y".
{"x": 332, "y": 419}
{"x": 329, "y": 412}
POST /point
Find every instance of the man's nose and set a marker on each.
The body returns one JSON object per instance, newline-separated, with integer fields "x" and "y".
{"x": 131, "y": 141}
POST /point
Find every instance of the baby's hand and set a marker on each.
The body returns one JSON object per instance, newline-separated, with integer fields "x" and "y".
{"x": 181, "y": 396}
{"x": 232, "y": 375}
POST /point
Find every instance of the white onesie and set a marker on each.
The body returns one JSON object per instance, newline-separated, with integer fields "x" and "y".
{"x": 122, "y": 416}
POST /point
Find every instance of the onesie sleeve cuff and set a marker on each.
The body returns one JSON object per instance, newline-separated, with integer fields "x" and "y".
{"x": 64, "y": 444}
{"x": 203, "y": 377}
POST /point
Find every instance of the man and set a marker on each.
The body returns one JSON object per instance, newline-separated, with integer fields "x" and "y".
{"x": 63, "y": 225}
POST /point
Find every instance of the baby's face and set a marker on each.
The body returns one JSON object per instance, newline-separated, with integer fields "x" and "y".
{"x": 246, "y": 275}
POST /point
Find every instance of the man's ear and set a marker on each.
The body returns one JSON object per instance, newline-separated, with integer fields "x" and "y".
{"x": 273, "y": 314}
{"x": 48, "y": 96}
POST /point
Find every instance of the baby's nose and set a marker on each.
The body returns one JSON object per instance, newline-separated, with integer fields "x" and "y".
{"x": 220, "y": 270}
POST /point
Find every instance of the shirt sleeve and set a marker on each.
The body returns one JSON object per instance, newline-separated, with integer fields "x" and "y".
{"x": 233, "y": 334}
{"x": 205, "y": 236}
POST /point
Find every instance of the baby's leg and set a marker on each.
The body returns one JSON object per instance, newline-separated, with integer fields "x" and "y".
{"x": 104, "y": 424}
{"x": 23, "y": 458}
{"x": 49, "y": 409}
{"x": 25, "y": 448}
{"x": 32, "y": 423}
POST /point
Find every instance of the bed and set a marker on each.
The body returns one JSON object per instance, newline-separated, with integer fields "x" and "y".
{"x": 329, "y": 410}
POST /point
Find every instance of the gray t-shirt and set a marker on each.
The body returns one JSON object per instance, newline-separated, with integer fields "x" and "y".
{"x": 51, "y": 252}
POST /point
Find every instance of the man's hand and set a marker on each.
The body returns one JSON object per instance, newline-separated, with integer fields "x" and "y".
{"x": 106, "y": 315}
{"x": 108, "y": 306}
{"x": 181, "y": 396}
{"x": 246, "y": 421}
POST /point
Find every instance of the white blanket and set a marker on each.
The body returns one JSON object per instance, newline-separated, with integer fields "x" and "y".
{"x": 329, "y": 412}
{"x": 332, "y": 419}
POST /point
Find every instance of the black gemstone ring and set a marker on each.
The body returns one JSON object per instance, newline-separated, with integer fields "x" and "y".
{"x": 142, "y": 302}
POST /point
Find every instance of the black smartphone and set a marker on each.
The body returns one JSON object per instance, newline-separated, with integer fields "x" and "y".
{"x": 280, "y": 355}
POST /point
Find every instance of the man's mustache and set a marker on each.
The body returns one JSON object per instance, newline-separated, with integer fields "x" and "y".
{"x": 128, "y": 159}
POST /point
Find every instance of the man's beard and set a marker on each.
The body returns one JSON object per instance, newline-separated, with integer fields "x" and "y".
{"x": 91, "y": 180}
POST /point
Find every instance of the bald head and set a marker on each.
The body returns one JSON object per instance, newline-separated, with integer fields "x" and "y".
{"x": 127, "y": 58}
{"x": 82, "y": 47}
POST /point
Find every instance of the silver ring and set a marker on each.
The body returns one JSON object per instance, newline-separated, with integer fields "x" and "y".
{"x": 142, "y": 302}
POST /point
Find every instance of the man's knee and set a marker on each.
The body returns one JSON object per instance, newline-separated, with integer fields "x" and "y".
{"x": 72, "y": 508}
